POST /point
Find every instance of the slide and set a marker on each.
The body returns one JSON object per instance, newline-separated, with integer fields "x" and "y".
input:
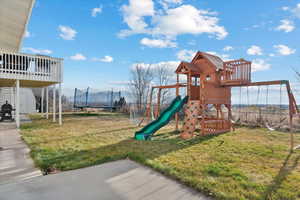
{"x": 165, "y": 117}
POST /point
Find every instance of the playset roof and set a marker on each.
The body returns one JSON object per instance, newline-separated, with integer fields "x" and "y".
{"x": 190, "y": 67}
{"x": 215, "y": 60}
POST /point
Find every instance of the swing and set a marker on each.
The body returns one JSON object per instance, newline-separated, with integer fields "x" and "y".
{"x": 257, "y": 100}
{"x": 247, "y": 105}
{"x": 239, "y": 109}
{"x": 267, "y": 125}
{"x": 281, "y": 120}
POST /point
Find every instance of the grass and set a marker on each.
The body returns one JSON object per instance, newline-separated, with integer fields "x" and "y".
{"x": 245, "y": 164}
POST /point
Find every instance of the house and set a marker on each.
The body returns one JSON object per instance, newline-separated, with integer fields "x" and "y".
{"x": 20, "y": 72}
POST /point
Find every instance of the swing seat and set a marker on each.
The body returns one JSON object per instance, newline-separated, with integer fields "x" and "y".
{"x": 269, "y": 127}
{"x": 297, "y": 147}
{"x": 236, "y": 121}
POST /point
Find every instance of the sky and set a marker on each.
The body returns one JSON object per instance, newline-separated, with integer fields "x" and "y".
{"x": 100, "y": 40}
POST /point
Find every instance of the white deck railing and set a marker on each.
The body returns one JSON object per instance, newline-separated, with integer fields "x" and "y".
{"x": 30, "y": 67}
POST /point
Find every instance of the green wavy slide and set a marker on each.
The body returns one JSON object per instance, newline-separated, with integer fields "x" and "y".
{"x": 165, "y": 117}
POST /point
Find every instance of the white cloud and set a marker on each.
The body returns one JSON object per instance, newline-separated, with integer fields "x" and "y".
{"x": 78, "y": 57}
{"x": 67, "y": 33}
{"x": 259, "y": 65}
{"x": 27, "y": 34}
{"x": 168, "y": 3}
{"x": 141, "y": 18}
{"x": 228, "y": 48}
{"x": 96, "y": 11}
{"x": 284, "y": 50}
{"x": 133, "y": 16}
{"x": 107, "y": 59}
{"x": 170, "y": 65}
{"x": 271, "y": 54}
{"x": 286, "y": 26}
{"x": 187, "y": 19}
{"x": 37, "y": 51}
{"x": 254, "y": 50}
{"x": 158, "y": 43}
{"x": 186, "y": 55}
{"x": 296, "y": 11}
{"x": 285, "y": 8}
{"x": 173, "y": 1}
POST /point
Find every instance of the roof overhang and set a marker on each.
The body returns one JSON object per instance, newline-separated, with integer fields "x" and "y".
{"x": 14, "y": 17}
{"x": 185, "y": 68}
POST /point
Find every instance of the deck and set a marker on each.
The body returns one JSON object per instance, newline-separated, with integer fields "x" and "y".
{"x": 31, "y": 70}
{"x": 236, "y": 72}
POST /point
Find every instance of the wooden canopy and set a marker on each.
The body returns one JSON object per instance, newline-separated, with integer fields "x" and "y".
{"x": 185, "y": 68}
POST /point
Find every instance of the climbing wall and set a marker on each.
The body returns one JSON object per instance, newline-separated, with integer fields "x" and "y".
{"x": 192, "y": 112}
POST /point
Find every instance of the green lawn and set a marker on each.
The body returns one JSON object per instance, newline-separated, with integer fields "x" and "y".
{"x": 245, "y": 164}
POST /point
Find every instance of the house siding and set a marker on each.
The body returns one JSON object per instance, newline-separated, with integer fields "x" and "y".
{"x": 27, "y": 99}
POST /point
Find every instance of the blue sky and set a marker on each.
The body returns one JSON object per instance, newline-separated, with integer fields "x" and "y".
{"x": 101, "y": 40}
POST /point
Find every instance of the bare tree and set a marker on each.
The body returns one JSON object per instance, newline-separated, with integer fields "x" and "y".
{"x": 163, "y": 76}
{"x": 141, "y": 78}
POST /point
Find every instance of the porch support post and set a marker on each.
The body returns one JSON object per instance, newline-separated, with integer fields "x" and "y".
{"x": 60, "y": 105}
{"x": 47, "y": 102}
{"x": 18, "y": 103}
{"x": 54, "y": 103}
{"x": 42, "y": 102}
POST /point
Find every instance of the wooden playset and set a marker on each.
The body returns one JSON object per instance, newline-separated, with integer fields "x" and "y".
{"x": 209, "y": 83}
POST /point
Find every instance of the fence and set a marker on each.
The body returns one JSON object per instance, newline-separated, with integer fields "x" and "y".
{"x": 93, "y": 98}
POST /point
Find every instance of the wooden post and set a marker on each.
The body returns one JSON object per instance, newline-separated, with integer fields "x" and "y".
{"x": 221, "y": 112}
{"x": 148, "y": 114}
{"x": 189, "y": 85}
{"x": 18, "y": 103}
{"x": 158, "y": 103}
{"x": 228, "y": 106}
{"x": 203, "y": 120}
{"x": 177, "y": 94}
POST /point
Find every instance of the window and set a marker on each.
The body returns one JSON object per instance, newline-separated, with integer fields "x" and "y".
{"x": 208, "y": 78}
{"x": 195, "y": 81}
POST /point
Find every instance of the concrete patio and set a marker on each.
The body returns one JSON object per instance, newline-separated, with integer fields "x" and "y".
{"x": 15, "y": 162}
{"x": 117, "y": 180}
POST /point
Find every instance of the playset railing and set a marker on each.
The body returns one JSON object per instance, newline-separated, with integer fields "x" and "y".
{"x": 215, "y": 126}
{"x": 30, "y": 67}
{"x": 237, "y": 71}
